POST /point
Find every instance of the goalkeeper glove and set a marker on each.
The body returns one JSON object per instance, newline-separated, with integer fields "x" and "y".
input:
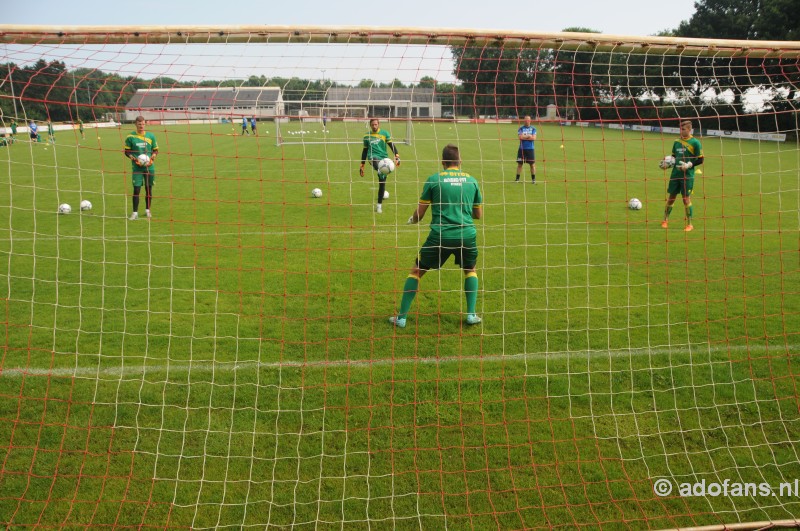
{"x": 683, "y": 166}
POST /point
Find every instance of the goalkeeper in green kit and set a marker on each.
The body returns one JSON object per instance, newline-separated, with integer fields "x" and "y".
{"x": 455, "y": 200}
{"x": 376, "y": 143}
{"x": 688, "y": 155}
{"x": 141, "y": 142}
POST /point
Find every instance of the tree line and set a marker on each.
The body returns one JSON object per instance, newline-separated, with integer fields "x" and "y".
{"x": 512, "y": 80}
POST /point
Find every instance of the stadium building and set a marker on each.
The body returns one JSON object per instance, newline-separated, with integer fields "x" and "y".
{"x": 358, "y": 102}
{"x": 214, "y": 103}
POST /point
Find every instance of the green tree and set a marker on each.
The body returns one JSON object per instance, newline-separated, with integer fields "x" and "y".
{"x": 427, "y": 82}
{"x": 743, "y": 19}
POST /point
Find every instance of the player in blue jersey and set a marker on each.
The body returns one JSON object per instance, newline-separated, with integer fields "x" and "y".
{"x": 525, "y": 153}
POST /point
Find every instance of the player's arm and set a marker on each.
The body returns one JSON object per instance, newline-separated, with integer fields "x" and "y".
{"x": 394, "y": 150}
{"x": 363, "y": 160}
{"x": 477, "y": 211}
{"x": 131, "y": 154}
{"x": 153, "y": 152}
{"x": 699, "y": 159}
{"x": 419, "y": 213}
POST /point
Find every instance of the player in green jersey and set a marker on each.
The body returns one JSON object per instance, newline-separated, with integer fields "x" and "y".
{"x": 688, "y": 153}
{"x": 13, "y": 127}
{"x": 138, "y": 143}
{"x": 455, "y": 200}
{"x": 376, "y": 143}
{"x": 51, "y": 134}
{"x": 80, "y": 129}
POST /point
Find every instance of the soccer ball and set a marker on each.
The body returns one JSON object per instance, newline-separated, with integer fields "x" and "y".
{"x": 144, "y": 159}
{"x": 385, "y": 195}
{"x": 316, "y": 192}
{"x": 385, "y": 166}
{"x": 64, "y": 208}
{"x": 86, "y": 204}
{"x": 667, "y": 162}
{"x": 634, "y": 204}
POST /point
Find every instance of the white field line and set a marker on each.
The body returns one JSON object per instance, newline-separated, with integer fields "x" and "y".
{"x": 697, "y": 351}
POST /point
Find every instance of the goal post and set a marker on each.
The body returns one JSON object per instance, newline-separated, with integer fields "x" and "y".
{"x": 228, "y": 361}
{"x": 352, "y": 117}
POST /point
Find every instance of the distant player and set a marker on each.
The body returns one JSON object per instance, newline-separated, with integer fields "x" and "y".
{"x": 688, "y": 153}
{"x": 375, "y": 149}
{"x": 244, "y": 126}
{"x": 455, "y": 200}
{"x": 33, "y": 129}
{"x": 525, "y": 153}
{"x": 80, "y": 128}
{"x": 13, "y": 127}
{"x": 253, "y": 125}
{"x": 138, "y": 143}
{"x": 51, "y": 134}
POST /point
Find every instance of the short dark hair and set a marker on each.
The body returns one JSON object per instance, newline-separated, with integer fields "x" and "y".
{"x": 374, "y": 120}
{"x": 139, "y": 118}
{"x": 450, "y": 155}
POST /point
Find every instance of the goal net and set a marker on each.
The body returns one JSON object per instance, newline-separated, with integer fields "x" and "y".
{"x": 227, "y": 361}
{"x": 306, "y": 121}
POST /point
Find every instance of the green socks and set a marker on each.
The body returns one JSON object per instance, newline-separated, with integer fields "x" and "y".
{"x": 471, "y": 291}
{"x": 411, "y": 287}
{"x": 409, "y": 292}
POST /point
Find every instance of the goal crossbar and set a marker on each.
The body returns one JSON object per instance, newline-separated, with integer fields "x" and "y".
{"x": 227, "y": 34}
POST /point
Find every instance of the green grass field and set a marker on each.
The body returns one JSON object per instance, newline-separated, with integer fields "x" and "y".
{"x": 229, "y": 362}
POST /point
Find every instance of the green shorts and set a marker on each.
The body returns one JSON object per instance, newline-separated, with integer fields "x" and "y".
{"x": 681, "y": 186}
{"x": 435, "y": 252}
{"x": 138, "y": 178}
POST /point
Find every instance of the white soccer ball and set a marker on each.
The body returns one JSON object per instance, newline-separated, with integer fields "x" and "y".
{"x": 64, "y": 208}
{"x": 385, "y": 166}
{"x": 144, "y": 159}
{"x": 86, "y": 204}
{"x": 634, "y": 204}
{"x": 385, "y": 195}
{"x": 667, "y": 162}
{"x": 316, "y": 192}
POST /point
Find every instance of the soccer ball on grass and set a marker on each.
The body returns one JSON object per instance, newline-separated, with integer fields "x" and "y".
{"x": 316, "y": 192}
{"x": 64, "y": 208}
{"x": 86, "y": 204}
{"x": 385, "y": 166}
{"x": 634, "y": 204}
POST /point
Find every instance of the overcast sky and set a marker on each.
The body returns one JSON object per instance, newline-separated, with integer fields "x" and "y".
{"x": 619, "y": 17}
{"x": 346, "y": 64}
